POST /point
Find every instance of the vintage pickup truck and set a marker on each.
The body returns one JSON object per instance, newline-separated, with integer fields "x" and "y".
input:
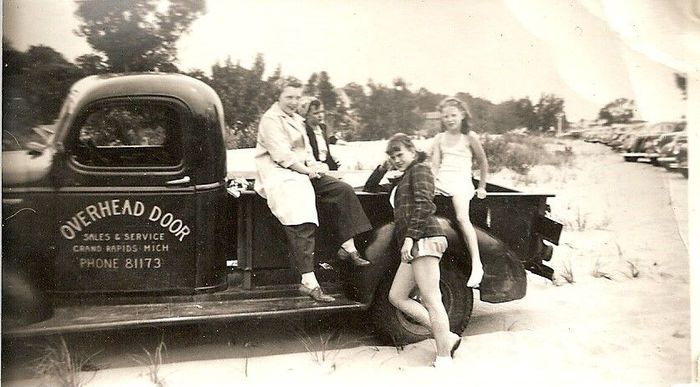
{"x": 127, "y": 217}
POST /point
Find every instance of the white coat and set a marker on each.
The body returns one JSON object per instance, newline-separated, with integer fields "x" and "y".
{"x": 281, "y": 141}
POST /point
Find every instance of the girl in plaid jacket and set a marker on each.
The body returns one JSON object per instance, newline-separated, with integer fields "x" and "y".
{"x": 422, "y": 244}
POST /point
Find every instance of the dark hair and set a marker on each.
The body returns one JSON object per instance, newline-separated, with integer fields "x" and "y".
{"x": 399, "y": 139}
{"x": 462, "y": 106}
{"x": 315, "y": 104}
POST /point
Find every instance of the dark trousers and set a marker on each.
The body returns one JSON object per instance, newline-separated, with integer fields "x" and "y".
{"x": 348, "y": 218}
{"x": 302, "y": 243}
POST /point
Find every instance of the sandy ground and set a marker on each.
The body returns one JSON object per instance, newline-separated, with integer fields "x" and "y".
{"x": 622, "y": 320}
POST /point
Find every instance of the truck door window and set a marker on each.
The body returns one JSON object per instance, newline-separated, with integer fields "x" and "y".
{"x": 129, "y": 135}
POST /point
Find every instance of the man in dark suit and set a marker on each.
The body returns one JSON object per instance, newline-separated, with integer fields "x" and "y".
{"x": 316, "y": 130}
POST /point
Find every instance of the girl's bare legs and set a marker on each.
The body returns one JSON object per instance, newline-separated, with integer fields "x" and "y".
{"x": 461, "y": 205}
{"x": 404, "y": 282}
{"x": 425, "y": 273}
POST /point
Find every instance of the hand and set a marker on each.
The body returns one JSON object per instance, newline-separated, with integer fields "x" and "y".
{"x": 323, "y": 168}
{"x": 388, "y": 164}
{"x": 481, "y": 193}
{"x": 406, "y": 250}
{"x": 314, "y": 175}
{"x": 320, "y": 168}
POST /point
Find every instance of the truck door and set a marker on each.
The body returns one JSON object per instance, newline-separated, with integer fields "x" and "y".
{"x": 126, "y": 203}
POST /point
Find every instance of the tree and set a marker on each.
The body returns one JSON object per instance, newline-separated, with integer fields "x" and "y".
{"x": 199, "y": 74}
{"x": 513, "y": 114}
{"x": 326, "y": 92}
{"x": 35, "y": 84}
{"x": 388, "y": 111}
{"x": 133, "y": 35}
{"x": 311, "y": 87}
{"x": 427, "y": 101}
{"x": 619, "y": 111}
{"x": 17, "y": 114}
{"x": 547, "y": 111}
{"x": 480, "y": 110}
{"x": 92, "y": 64}
{"x": 358, "y": 102}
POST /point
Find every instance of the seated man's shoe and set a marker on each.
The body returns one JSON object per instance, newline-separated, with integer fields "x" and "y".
{"x": 315, "y": 293}
{"x": 354, "y": 257}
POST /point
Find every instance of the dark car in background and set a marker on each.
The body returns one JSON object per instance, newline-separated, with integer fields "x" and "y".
{"x": 665, "y": 147}
{"x": 680, "y": 152}
{"x": 642, "y": 146}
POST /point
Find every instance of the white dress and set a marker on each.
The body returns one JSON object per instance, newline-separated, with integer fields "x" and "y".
{"x": 455, "y": 173}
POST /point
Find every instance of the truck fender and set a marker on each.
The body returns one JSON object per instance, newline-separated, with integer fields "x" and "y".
{"x": 381, "y": 252}
{"x": 504, "y": 274}
{"x": 23, "y": 302}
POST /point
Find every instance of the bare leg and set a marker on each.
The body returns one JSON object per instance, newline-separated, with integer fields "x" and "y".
{"x": 461, "y": 205}
{"x": 426, "y": 272}
{"x": 404, "y": 282}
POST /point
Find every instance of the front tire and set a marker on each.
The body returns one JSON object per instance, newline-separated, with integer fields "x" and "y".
{"x": 395, "y": 328}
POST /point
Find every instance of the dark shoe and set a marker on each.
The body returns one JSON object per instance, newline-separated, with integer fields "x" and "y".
{"x": 315, "y": 293}
{"x": 354, "y": 257}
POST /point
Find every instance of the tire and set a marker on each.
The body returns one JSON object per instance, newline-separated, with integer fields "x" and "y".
{"x": 684, "y": 172}
{"x": 393, "y": 327}
{"x": 631, "y": 158}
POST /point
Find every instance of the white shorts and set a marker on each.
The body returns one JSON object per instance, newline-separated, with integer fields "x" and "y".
{"x": 431, "y": 246}
{"x": 454, "y": 183}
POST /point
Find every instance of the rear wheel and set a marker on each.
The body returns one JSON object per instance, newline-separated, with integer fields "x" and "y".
{"x": 684, "y": 172}
{"x": 396, "y": 328}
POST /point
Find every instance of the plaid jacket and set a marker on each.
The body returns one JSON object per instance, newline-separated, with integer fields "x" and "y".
{"x": 414, "y": 209}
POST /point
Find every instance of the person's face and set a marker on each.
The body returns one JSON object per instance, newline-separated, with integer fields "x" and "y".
{"x": 315, "y": 116}
{"x": 403, "y": 157}
{"x": 289, "y": 99}
{"x": 452, "y": 118}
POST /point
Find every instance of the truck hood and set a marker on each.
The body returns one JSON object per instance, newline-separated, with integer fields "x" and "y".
{"x": 21, "y": 168}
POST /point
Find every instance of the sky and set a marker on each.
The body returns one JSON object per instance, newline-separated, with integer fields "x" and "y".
{"x": 589, "y": 52}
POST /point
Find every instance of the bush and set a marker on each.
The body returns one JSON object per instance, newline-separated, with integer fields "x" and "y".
{"x": 519, "y": 152}
{"x": 242, "y": 137}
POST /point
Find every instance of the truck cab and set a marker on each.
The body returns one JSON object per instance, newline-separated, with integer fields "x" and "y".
{"x": 128, "y": 217}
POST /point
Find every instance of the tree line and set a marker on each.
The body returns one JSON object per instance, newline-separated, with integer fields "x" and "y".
{"x": 138, "y": 35}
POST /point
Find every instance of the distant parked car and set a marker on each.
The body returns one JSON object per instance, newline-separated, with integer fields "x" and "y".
{"x": 642, "y": 146}
{"x": 680, "y": 151}
{"x": 665, "y": 147}
{"x": 622, "y": 134}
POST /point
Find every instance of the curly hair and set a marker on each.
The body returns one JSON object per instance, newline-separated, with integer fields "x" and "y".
{"x": 285, "y": 82}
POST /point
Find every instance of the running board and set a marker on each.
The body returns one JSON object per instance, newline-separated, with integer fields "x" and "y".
{"x": 199, "y": 309}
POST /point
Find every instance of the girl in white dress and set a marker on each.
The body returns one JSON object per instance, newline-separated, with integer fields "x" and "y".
{"x": 452, "y": 166}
